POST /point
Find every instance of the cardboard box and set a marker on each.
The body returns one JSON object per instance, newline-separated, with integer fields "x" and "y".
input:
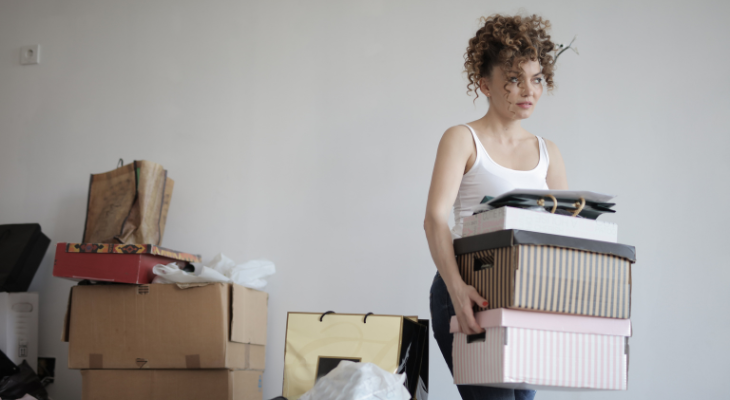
{"x": 163, "y": 326}
{"x": 19, "y": 327}
{"x": 541, "y": 272}
{"x": 504, "y": 218}
{"x": 316, "y": 343}
{"x": 124, "y": 263}
{"x": 171, "y": 385}
{"x": 531, "y": 350}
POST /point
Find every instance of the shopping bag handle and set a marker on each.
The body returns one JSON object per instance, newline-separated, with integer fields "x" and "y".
{"x": 541, "y": 203}
{"x": 327, "y": 312}
{"x": 579, "y": 205}
{"x": 364, "y": 320}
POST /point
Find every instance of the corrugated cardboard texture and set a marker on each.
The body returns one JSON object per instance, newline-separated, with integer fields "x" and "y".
{"x": 553, "y": 279}
{"x": 171, "y": 385}
{"x": 250, "y": 309}
{"x": 247, "y": 385}
{"x": 251, "y": 356}
{"x": 160, "y": 327}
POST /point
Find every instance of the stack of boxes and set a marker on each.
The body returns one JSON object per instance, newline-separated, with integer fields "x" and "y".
{"x": 159, "y": 341}
{"x": 559, "y": 292}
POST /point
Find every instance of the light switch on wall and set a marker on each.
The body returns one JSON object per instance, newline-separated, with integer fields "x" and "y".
{"x": 30, "y": 55}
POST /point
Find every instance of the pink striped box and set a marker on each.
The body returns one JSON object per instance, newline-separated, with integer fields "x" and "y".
{"x": 533, "y": 350}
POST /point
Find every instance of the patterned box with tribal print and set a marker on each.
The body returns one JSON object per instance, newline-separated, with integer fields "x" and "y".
{"x": 529, "y": 350}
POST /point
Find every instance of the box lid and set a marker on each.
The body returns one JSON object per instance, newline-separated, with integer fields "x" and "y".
{"x": 115, "y": 248}
{"x": 548, "y": 322}
{"x": 515, "y": 237}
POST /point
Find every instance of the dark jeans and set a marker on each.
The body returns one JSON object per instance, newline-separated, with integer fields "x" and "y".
{"x": 441, "y": 312}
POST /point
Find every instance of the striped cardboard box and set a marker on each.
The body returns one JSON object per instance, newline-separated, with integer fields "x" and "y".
{"x": 536, "y": 272}
{"x": 544, "y": 355}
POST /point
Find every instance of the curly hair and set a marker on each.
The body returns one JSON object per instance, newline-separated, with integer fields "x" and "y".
{"x": 503, "y": 41}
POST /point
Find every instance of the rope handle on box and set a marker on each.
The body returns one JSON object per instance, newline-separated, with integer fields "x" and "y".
{"x": 579, "y": 205}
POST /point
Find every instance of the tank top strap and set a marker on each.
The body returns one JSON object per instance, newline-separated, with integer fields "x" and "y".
{"x": 544, "y": 156}
{"x": 477, "y": 143}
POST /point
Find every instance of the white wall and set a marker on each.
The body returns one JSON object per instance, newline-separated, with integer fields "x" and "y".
{"x": 305, "y": 132}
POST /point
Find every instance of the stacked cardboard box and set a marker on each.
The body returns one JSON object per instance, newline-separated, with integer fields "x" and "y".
{"x": 163, "y": 341}
{"x": 558, "y": 304}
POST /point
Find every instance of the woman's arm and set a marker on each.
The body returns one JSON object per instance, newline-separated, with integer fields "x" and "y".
{"x": 456, "y": 150}
{"x": 556, "y": 178}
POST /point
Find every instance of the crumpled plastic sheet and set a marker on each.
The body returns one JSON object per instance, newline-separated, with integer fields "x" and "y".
{"x": 358, "y": 381}
{"x": 250, "y": 274}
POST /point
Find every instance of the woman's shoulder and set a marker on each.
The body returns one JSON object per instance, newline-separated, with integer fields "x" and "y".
{"x": 552, "y": 148}
{"x": 457, "y": 137}
{"x": 457, "y": 134}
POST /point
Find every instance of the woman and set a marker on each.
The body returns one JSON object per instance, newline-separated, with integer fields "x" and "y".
{"x": 509, "y": 61}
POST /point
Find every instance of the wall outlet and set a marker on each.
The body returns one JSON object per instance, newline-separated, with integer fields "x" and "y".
{"x": 30, "y": 55}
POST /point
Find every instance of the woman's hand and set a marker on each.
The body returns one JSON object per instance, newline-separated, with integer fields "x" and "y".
{"x": 463, "y": 297}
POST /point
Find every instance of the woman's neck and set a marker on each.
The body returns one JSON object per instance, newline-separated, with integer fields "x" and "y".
{"x": 501, "y": 128}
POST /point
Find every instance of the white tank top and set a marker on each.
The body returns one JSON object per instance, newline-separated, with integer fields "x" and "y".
{"x": 487, "y": 178}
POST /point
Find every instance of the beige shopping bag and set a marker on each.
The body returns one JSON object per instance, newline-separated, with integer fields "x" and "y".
{"x": 128, "y": 204}
{"x": 316, "y": 343}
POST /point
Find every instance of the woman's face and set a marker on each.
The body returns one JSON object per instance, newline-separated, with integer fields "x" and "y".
{"x": 511, "y": 94}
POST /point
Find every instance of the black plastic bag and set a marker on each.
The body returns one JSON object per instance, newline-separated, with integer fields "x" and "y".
{"x": 24, "y": 382}
{"x": 7, "y": 366}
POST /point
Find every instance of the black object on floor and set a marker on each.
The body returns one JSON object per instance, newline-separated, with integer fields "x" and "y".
{"x": 46, "y": 370}
{"x": 7, "y": 366}
{"x": 22, "y": 383}
{"x": 22, "y": 247}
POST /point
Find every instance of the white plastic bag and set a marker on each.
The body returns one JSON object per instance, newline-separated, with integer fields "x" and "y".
{"x": 220, "y": 269}
{"x": 251, "y": 273}
{"x": 171, "y": 273}
{"x": 358, "y": 381}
